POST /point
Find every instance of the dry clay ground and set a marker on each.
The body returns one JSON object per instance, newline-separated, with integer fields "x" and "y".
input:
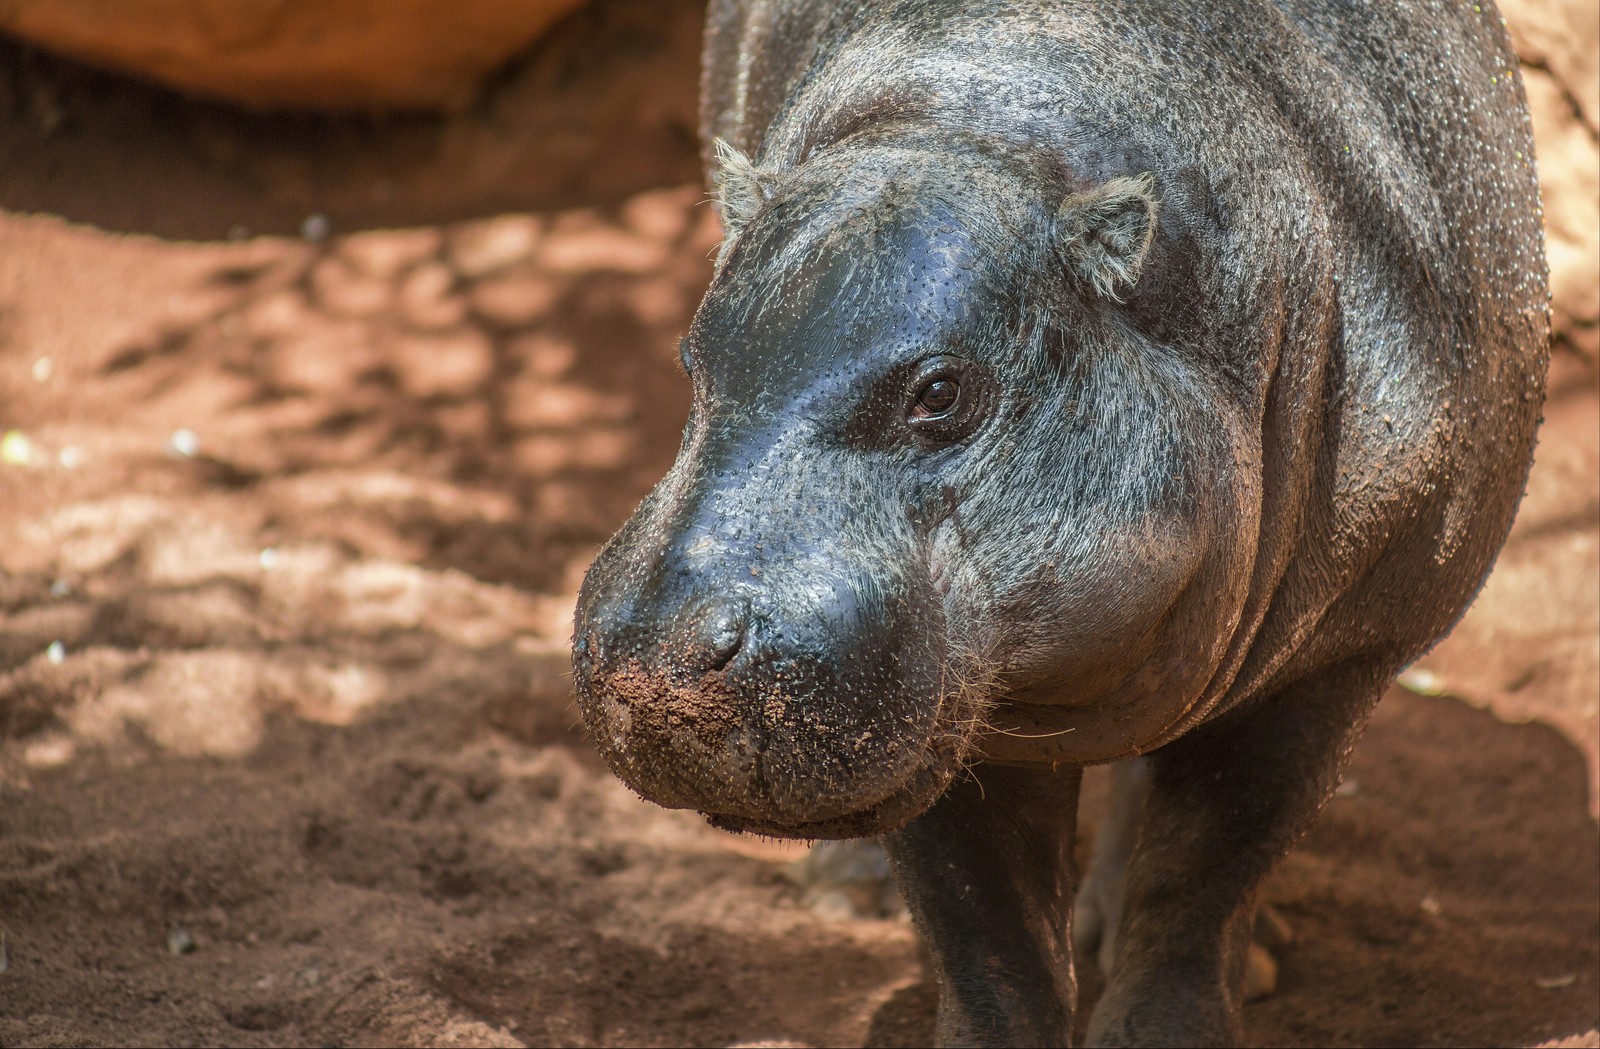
{"x": 290, "y": 531}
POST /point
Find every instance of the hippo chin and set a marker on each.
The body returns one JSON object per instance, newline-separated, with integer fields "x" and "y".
{"x": 1135, "y": 381}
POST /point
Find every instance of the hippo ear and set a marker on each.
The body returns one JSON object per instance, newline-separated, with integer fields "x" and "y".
{"x": 1106, "y": 232}
{"x": 739, "y": 187}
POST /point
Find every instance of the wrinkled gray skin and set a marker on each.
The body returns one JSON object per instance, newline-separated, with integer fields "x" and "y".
{"x": 1245, "y": 307}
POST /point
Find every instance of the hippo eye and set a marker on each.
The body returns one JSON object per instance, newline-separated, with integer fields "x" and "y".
{"x": 936, "y": 398}
{"x": 945, "y": 398}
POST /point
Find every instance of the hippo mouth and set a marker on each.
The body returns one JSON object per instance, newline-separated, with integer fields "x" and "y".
{"x": 707, "y": 748}
{"x": 754, "y": 753}
{"x": 892, "y": 813}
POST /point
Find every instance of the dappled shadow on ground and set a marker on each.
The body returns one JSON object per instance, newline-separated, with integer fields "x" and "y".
{"x": 330, "y": 438}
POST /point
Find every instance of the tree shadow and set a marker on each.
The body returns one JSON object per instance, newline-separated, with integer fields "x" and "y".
{"x": 486, "y": 402}
{"x": 509, "y": 386}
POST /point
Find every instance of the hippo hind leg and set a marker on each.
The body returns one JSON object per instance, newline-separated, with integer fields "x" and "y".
{"x": 1221, "y": 807}
{"x": 1098, "y": 908}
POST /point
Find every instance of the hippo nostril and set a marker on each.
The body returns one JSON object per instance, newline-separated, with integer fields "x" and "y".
{"x": 715, "y": 631}
{"x": 585, "y": 649}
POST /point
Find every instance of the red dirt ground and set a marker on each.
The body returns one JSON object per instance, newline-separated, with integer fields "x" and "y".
{"x": 291, "y": 534}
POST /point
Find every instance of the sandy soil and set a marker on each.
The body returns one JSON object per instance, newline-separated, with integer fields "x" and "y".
{"x": 291, "y": 533}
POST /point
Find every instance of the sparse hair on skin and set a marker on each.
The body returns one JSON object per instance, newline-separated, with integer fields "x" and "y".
{"x": 739, "y": 188}
{"x": 1106, "y": 232}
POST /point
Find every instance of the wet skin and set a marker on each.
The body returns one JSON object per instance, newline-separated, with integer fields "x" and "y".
{"x": 1067, "y": 391}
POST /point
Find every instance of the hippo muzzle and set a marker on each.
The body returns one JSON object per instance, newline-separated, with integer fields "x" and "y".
{"x": 761, "y": 679}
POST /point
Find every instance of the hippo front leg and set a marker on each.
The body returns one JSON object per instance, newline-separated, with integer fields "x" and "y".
{"x": 987, "y": 874}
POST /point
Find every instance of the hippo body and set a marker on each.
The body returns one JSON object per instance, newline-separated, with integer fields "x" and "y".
{"x": 1139, "y": 382}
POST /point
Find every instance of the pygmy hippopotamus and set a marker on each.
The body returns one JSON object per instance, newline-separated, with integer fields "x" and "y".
{"x": 1079, "y": 382}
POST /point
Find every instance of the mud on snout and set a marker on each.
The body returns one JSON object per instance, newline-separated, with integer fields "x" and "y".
{"x": 796, "y": 704}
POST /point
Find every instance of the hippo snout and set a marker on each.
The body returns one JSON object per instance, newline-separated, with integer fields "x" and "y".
{"x": 790, "y": 720}
{"x": 654, "y": 690}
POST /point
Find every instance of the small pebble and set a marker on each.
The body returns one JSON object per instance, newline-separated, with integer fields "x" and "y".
{"x": 43, "y": 368}
{"x": 184, "y": 442}
{"x": 316, "y": 228}
{"x": 1349, "y": 788}
{"x": 268, "y": 558}
{"x": 1430, "y": 905}
{"x": 1422, "y": 682}
{"x": 70, "y": 457}
{"x": 49, "y": 752}
{"x": 1556, "y": 983}
{"x": 1260, "y": 974}
{"x": 15, "y": 448}
{"x": 60, "y": 588}
{"x": 56, "y": 653}
{"x": 179, "y": 941}
{"x": 833, "y": 906}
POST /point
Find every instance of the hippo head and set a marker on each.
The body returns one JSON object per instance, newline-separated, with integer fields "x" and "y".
{"x": 931, "y": 466}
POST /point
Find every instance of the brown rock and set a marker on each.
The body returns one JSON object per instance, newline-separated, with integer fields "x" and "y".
{"x": 1562, "y": 37}
{"x": 317, "y": 54}
{"x": 1569, "y": 178}
{"x": 1558, "y": 42}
